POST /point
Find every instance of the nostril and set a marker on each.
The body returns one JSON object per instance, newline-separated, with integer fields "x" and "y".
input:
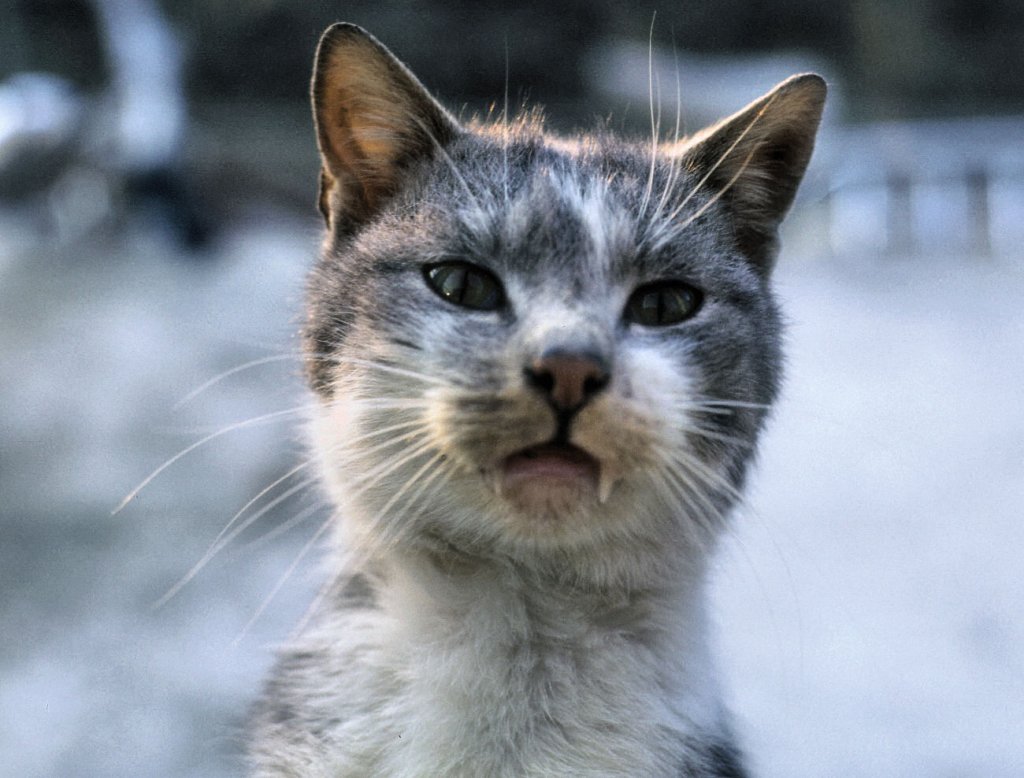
{"x": 594, "y": 384}
{"x": 540, "y": 379}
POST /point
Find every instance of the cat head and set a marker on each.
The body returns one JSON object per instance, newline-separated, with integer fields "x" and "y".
{"x": 527, "y": 342}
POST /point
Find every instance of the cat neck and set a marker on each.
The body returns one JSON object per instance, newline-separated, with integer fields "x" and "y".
{"x": 493, "y": 653}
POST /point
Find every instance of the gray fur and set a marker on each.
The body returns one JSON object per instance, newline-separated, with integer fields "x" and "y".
{"x": 461, "y": 637}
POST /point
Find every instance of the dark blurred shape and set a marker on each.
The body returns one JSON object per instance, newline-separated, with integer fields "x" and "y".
{"x": 77, "y": 161}
{"x": 41, "y": 117}
{"x": 150, "y": 117}
{"x": 165, "y": 195}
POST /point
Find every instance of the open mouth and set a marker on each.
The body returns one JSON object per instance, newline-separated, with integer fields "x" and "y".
{"x": 550, "y": 465}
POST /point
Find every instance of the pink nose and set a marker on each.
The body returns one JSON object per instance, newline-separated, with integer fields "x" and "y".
{"x": 568, "y": 379}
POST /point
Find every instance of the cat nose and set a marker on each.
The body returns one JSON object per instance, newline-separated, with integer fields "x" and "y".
{"x": 568, "y": 378}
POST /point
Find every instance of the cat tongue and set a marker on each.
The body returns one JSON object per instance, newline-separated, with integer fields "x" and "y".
{"x": 550, "y": 462}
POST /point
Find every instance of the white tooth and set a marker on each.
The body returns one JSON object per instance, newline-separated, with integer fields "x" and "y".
{"x": 494, "y": 481}
{"x": 604, "y": 487}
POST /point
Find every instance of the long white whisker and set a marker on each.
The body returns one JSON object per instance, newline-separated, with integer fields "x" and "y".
{"x": 298, "y": 468}
{"x": 369, "y": 479}
{"x": 378, "y": 431}
{"x": 683, "y": 475}
{"x": 322, "y": 594}
{"x": 202, "y": 442}
{"x": 505, "y": 130}
{"x": 450, "y": 163}
{"x": 649, "y": 189}
{"x": 703, "y": 432}
{"x": 421, "y": 432}
{"x": 673, "y": 174}
{"x": 711, "y": 403}
{"x": 226, "y": 537}
{"x": 227, "y": 373}
{"x": 283, "y": 579}
{"x": 284, "y": 526}
{"x": 393, "y": 500}
{"x": 394, "y": 403}
{"x": 682, "y": 496}
{"x": 725, "y": 155}
{"x": 717, "y": 195}
{"x": 714, "y": 480}
{"x": 389, "y": 368}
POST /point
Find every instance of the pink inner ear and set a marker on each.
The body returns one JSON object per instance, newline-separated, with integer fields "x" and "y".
{"x": 371, "y": 116}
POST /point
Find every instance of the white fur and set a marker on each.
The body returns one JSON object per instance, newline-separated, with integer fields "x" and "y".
{"x": 485, "y": 675}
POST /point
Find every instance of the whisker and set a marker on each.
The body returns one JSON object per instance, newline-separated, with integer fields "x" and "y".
{"x": 228, "y": 373}
{"x": 384, "y": 367}
{"x": 708, "y": 434}
{"x": 680, "y": 496}
{"x": 369, "y": 479}
{"x": 505, "y": 130}
{"x": 725, "y": 407}
{"x": 717, "y": 195}
{"x": 684, "y": 475}
{"x": 378, "y": 431}
{"x": 673, "y": 173}
{"x": 450, "y": 163}
{"x": 225, "y": 538}
{"x": 395, "y": 403}
{"x": 298, "y": 468}
{"x": 716, "y": 481}
{"x": 384, "y": 445}
{"x": 202, "y": 442}
{"x": 443, "y": 469}
{"x": 285, "y": 526}
{"x": 393, "y": 500}
{"x": 725, "y": 155}
{"x": 322, "y": 594}
{"x": 649, "y": 189}
{"x": 283, "y": 579}
{"x": 709, "y": 478}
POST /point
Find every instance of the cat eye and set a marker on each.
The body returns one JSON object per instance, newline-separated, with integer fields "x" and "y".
{"x": 662, "y": 304}
{"x": 466, "y": 285}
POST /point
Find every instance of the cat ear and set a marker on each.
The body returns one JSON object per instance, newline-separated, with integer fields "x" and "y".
{"x": 755, "y": 159}
{"x": 373, "y": 118}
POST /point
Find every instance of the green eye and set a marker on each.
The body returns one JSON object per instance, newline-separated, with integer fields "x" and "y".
{"x": 466, "y": 285}
{"x": 662, "y": 303}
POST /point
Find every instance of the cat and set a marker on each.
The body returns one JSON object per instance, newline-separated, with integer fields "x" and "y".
{"x": 541, "y": 367}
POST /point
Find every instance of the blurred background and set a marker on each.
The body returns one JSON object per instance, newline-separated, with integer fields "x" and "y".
{"x": 157, "y": 215}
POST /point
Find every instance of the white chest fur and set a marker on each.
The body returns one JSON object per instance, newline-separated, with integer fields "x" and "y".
{"x": 482, "y": 674}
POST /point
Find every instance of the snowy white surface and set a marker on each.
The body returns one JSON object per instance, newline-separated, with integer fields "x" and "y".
{"x": 870, "y": 601}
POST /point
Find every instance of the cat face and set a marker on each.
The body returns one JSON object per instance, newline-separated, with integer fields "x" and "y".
{"x": 523, "y": 342}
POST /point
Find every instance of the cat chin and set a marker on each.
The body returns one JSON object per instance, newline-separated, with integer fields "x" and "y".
{"x": 550, "y": 499}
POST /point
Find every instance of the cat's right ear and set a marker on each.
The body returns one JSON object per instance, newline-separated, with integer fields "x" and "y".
{"x": 373, "y": 119}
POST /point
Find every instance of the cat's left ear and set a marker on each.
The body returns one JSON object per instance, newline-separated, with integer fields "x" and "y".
{"x": 373, "y": 120}
{"x": 756, "y": 159}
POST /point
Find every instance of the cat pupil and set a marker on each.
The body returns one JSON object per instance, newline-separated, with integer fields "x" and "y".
{"x": 676, "y": 304}
{"x": 451, "y": 281}
{"x": 649, "y": 307}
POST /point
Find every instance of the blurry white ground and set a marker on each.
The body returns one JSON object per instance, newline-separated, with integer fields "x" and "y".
{"x": 870, "y": 603}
